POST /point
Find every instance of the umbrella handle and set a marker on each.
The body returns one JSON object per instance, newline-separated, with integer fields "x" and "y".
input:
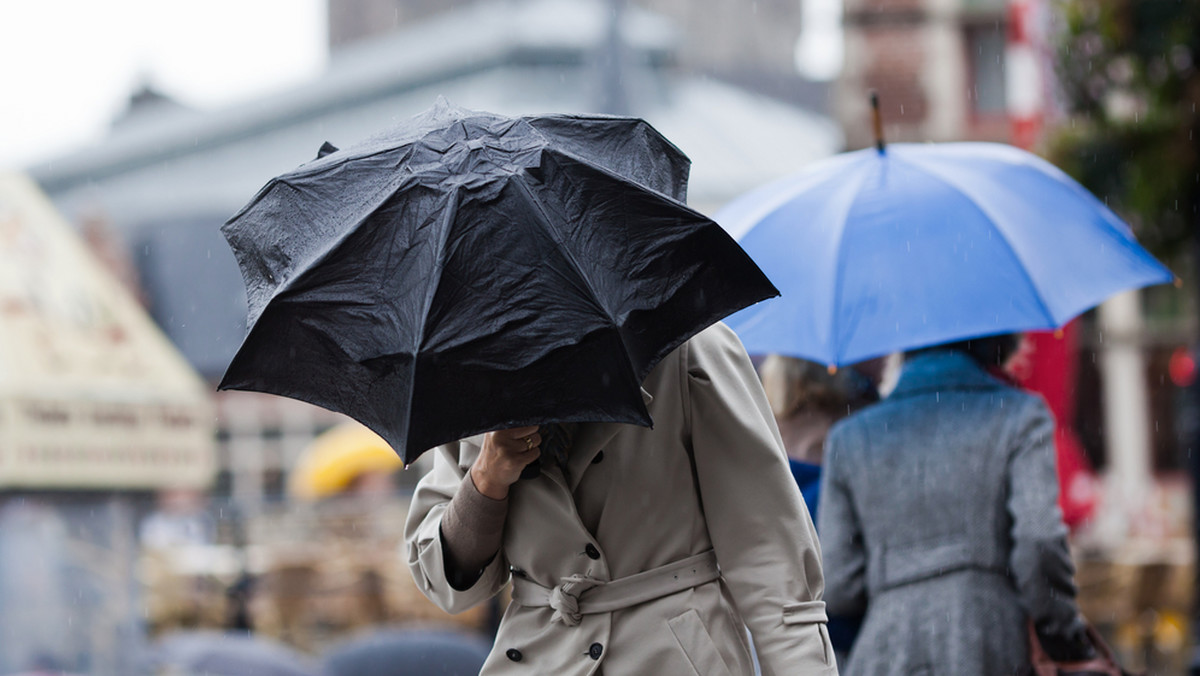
{"x": 877, "y": 121}
{"x": 532, "y": 471}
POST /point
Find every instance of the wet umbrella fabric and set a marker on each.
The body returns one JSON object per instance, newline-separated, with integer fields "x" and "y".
{"x": 924, "y": 244}
{"x": 466, "y": 272}
{"x": 408, "y": 652}
{"x": 226, "y": 654}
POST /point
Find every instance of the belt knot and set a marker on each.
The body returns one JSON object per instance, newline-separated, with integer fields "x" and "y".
{"x": 564, "y": 598}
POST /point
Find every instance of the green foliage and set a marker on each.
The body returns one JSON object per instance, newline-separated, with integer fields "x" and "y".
{"x": 1128, "y": 71}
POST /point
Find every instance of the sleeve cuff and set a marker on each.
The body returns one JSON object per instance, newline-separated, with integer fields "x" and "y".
{"x": 472, "y": 530}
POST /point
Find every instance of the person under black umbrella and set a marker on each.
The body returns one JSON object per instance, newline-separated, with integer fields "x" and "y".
{"x": 512, "y": 290}
{"x": 649, "y": 549}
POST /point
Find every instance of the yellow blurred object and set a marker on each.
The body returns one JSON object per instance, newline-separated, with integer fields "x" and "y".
{"x": 337, "y": 457}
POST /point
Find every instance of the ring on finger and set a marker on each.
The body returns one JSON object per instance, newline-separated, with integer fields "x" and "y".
{"x": 529, "y": 443}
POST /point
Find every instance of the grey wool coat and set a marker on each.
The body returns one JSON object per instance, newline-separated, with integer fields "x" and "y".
{"x": 939, "y": 518}
{"x": 709, "y": 480}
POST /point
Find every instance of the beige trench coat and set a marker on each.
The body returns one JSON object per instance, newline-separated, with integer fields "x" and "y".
{"x": 711, "y": 474}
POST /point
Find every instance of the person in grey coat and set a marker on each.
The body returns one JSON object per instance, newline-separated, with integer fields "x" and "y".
{"x": 939, "y": 519}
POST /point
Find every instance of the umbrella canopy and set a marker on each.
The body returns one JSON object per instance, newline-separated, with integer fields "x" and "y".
{"x": 876, "y": 252}
{"x": 338, "y": 455}
{"x": 408, "y": 652}
{"x": 465, "y": 271}
{"x": 211, "y": 653}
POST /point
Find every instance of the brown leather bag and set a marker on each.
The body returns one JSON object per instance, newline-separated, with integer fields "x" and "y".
{"x": 1103, "y": 664}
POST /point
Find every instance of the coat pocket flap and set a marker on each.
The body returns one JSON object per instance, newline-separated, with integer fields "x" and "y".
{"x": 804, "y": 612}
{"x": 698, "y": 644}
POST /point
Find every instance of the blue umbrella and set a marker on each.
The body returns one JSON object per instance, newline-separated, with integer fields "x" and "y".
{"x": 877, "y": 251}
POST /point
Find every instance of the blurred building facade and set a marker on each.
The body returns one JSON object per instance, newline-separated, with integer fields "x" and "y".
{"x": 750, "y": 44}
{"x": 938, "y": 66}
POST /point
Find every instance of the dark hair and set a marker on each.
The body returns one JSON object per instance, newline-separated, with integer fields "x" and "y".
{"x": 988, "y": 351}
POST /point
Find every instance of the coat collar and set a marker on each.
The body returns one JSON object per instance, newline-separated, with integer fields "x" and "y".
{"x": 942, "y": 370}
{"x": 589, "y": 440}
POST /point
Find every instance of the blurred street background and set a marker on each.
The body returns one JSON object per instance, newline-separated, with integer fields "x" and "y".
{"x": 136, "y": 502}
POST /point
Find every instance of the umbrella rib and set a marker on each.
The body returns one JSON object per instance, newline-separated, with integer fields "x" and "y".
{"x": 388, "y": 188}
{"x": 937, "y": 176}
{"x": 782, "y": 191}
{"x": 449, "y": 215}
{"x": 840, "y": 269}
{"x": 547, "y": 225}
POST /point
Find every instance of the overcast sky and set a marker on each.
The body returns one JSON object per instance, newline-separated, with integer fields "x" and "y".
{"x": 68, "y": 66}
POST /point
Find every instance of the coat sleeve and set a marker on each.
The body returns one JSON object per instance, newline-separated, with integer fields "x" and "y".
{"x": 762, "y": 534}
{"x": 844, "y": 557}
{"x": 423, "y": 534}
{"x": 1040, "y": 560}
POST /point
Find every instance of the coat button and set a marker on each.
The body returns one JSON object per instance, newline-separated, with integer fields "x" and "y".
{"x": 514, "y": 654}
{"x": 591, "y": 551}
{"x": 598, "y": 458}
{"x": 595, "y": 651}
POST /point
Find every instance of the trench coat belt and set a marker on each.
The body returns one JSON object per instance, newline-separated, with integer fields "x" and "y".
{"x": 578, "y": 595}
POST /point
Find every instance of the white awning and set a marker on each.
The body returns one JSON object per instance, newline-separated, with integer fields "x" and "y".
{"x": 92, "y": 395}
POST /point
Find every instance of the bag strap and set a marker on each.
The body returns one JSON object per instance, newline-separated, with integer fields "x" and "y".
{"x": 1043, "y": 665}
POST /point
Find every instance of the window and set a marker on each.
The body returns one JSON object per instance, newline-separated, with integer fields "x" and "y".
{"x": 985, "y": 63}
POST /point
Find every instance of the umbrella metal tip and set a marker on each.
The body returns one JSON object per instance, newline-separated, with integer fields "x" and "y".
{"x": 1058, "y": 333}
{"x": 1178, "y": 282}
{"x": 832, "y": 369}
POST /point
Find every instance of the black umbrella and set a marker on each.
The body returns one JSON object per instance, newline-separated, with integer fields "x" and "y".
{"x": 220, "y": 654}
{"x": 465, "y": 271}
{"x": 408, "y": 652}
